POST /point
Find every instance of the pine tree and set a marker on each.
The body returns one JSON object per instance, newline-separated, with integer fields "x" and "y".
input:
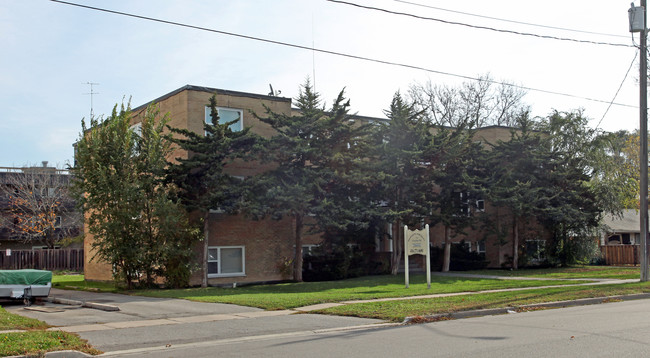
{"x": 314, "y": 156}
{"x": 453, "y": 164}
{"x": 201, "y": 178}
{"x": 401, "y": 169}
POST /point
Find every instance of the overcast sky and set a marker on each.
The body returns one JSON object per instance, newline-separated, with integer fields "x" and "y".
{"x": 50, "y": 51}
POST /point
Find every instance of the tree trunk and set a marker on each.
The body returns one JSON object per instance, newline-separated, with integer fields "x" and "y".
{"x": 396, "y": 255}
{"x": 297, "y": 260}
{"x": 447, "y": 255}
{"x": 515, "y": 243}
{"x": 206, "y": 235}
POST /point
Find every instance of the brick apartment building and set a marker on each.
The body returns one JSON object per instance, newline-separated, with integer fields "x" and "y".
{"x": 242, "y": 250}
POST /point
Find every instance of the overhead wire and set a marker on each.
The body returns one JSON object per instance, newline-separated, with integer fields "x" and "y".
{"x": 329, "y": 52}
{"x": 508, "y": 20}
{"x": 477, "y": 26}
{"x": 636, "y": 54}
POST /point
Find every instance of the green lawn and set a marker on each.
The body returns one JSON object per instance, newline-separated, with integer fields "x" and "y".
{"x": 291, "y": 295}
{"x": 398, "y": 310}
{"x": 35, "y": 341}
{"x": 77, "y": 282}
{"x": 577, "y": 272}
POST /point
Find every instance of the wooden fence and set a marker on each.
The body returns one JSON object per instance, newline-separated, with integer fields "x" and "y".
{"x": 55, "y": 259}
{"x": 621, "y": 254}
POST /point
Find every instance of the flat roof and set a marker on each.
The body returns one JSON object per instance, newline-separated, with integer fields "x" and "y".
{"x": 212, "y": 90}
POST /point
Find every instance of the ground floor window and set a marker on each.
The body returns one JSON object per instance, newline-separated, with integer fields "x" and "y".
{"x": 224, "y": 261}
{"x": 536, "y": 250}
{"x": 480, "y": 247}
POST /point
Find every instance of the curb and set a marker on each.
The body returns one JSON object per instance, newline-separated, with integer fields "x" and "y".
{"x": 523, "y": 308}
{"x": 57, "y": 354}
{"x": 94, "y": 305}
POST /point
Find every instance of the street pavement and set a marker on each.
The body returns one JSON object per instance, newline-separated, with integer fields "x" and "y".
{"x": 617, "y": 329}
{"x": 143, "y": 322}
{"x": 123, "y": 325}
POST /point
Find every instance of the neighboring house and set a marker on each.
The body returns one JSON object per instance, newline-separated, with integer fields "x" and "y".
{"x": 620, "y": 241}
{"x": 27, "y": 194}
{"x": 242, "y": 250}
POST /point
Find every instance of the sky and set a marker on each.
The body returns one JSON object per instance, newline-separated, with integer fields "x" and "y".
{"x": 51, "y": 51}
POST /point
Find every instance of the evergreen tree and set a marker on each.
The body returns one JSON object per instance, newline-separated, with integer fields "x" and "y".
{"x": 517, "y": 171}
{"x": 454, "y": 167}
{"x": 202, "y": 178}
{"x": 314, "y": 156}
{"x": 401, "y": 169}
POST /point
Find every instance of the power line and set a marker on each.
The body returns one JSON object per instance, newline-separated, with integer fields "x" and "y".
{"x": 479, "y": 27}
{"x": 618, "y": 90}
{"x": 336, "y": 53}
{"x": 508, "y": 20}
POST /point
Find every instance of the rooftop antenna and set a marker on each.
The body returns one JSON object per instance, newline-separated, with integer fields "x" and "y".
{"x": 91, "y": 93}
{"x": 313, "y": 53}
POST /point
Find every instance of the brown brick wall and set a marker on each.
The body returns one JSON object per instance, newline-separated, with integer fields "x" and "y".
{"x": 268, "y": 243}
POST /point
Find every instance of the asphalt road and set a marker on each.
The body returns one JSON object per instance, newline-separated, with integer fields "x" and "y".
{"x": 145, "y": 322}
{"x": 618, "y": 329}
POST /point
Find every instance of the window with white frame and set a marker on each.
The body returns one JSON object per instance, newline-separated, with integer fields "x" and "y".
{"x": 137, "y": 129}
{"x": 480, "y": 247}
{"x": 307, "y": 250}
{"x": 536, "y": 250}
{"x": 226, "y": 261}
{"x": 464, "y": 204}
{"x": 480, "y": 205}
{"x": 227, "y": 115}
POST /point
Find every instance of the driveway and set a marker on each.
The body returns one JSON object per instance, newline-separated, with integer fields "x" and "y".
{"x": 143, "y": 322}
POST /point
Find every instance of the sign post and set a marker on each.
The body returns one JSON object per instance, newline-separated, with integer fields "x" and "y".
{"x": 416, "y": 242}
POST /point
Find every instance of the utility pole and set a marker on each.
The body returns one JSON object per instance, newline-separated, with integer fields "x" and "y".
{"x": 637, "y": 16}
{"x": 643, "y": 83}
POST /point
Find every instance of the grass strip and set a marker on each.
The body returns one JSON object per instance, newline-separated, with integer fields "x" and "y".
{"x": 10, "y": 321}
{"x": 292, "y": 295}
{"x": 36, "y": 343}
{"x": 78, "y": 283}
{"x": 396, "y": 311}
{"x": 574, "y": 272}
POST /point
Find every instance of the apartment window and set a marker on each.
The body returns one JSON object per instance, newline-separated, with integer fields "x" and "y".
{"x": 57, "y": 222}
{"x": 307, "y": 250}
{"x": 226, "y": 261}
{"x": 462, "y": 203}
{"x": 480, "y": 205}
{"x": 536, "y": 250}
{"x": 480, "y": 247}
{"x": 466, "y": 206}
{"x": 137, "y": 129}
{"x": 227, "y": 115}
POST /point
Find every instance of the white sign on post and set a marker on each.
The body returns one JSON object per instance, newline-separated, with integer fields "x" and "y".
{"x": 416, "y": 242}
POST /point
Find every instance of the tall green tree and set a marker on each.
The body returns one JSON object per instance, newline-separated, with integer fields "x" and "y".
{"x": 454, "y": 166}
{"x": 615, "y": 176}
{"x": 573, "y": 210}
{"x": 118, "y": 170}
{"x": 202, "y": 179}
{"x": 517, "y": 169}
{"x": 313, "y": 156}
{"x": 401, "y": 169}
